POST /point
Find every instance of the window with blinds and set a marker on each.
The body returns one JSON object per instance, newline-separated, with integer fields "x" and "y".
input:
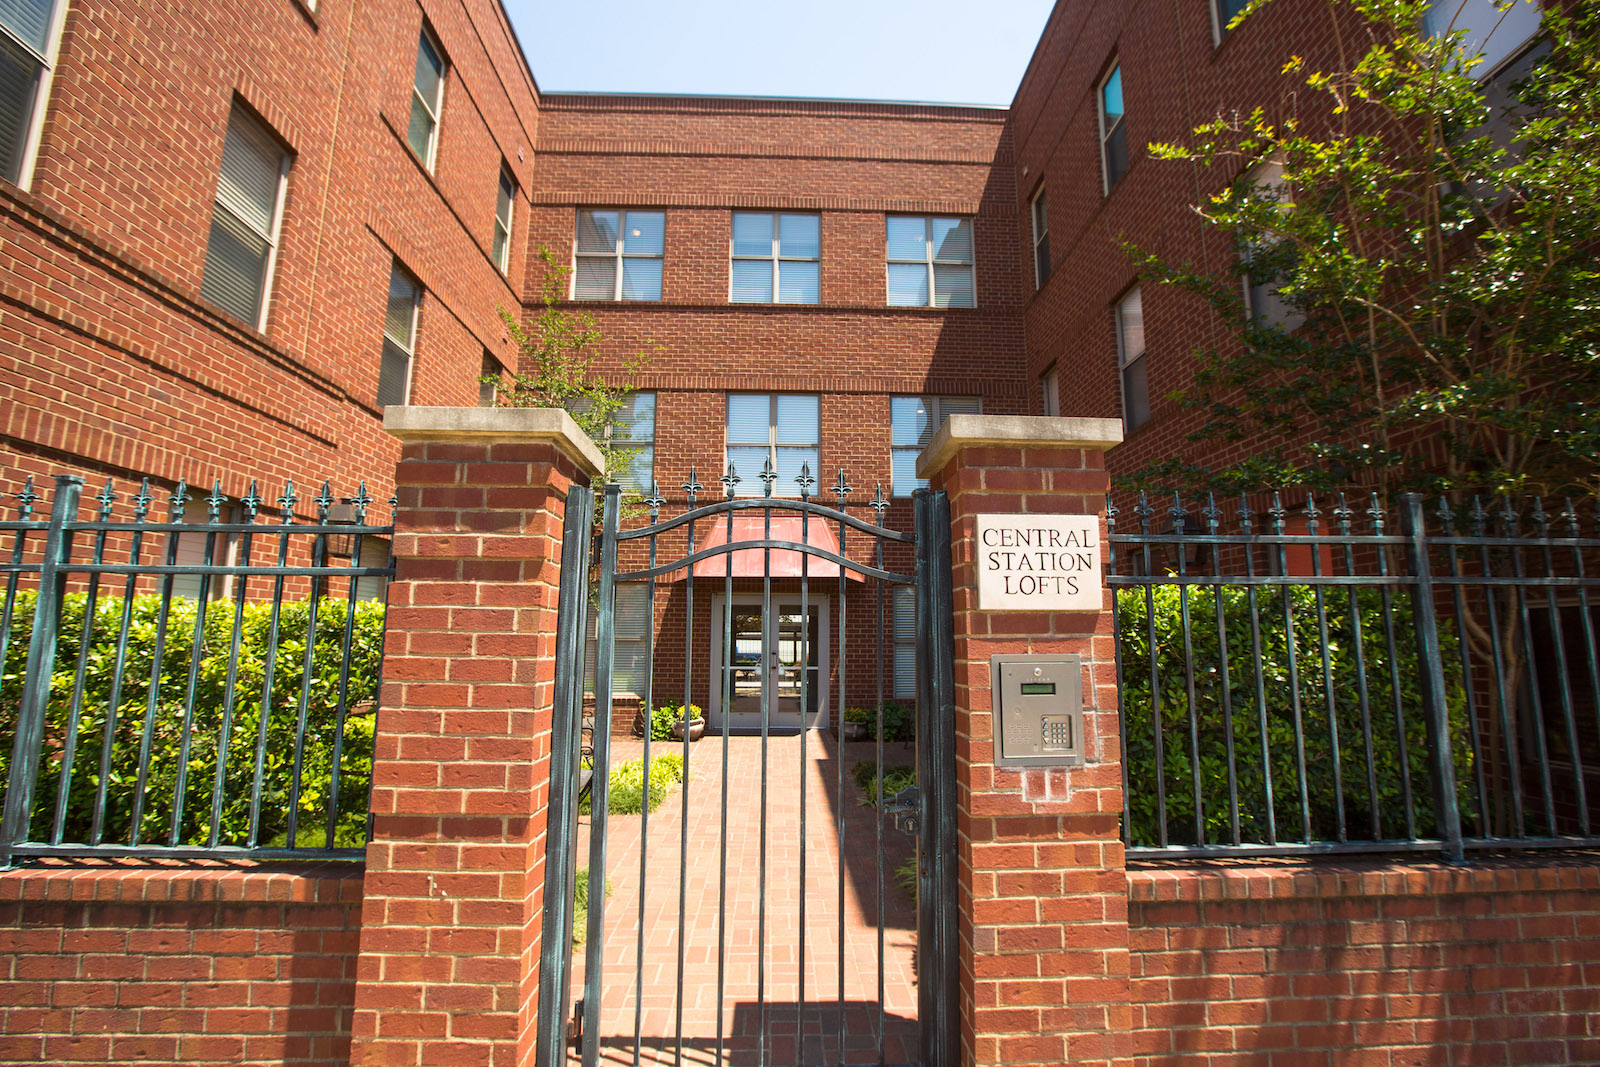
{"x": 502, "y": 221}
{"x": 781, "y": 427}
{"x": 490, "y": 377}
{"x": 775, "y": 259}
{"x": 192, "y": 548}
{"x": 399, "y": 338}
{"x": 1041, "y": 240}
{"x": 618, "y": 255}
{"x": 245, "y": 219}
{"x": 930, "y": 262}
{"x": 427, "y": 98}
{"x": 29, "y": 34}
{"x": 913, "y": 422}
{"x": 630, "y": 664}
{"x": 905, "y": 641}
{"x": 1131, "y": 362}
{"x": 1113, "y": 131}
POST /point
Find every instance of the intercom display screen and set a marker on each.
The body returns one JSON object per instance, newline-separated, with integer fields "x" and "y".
{"x": 1038, "y": 689}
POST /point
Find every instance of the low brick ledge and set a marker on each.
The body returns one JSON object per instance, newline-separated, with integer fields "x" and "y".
{"x": 1206, "y": 880}
{"x": 147, "y": 881}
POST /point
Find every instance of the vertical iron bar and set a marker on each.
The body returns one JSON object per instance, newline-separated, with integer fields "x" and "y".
{"x": 342, "y": 708}
{"x": 1116, "y": 631}
{"x": 1463, "y": 648}
{"x": 878, "y": 505}
{"x": 175, "y": 508}
{"x": 1213, "y": 519}
{"x": 141, "y": 506}
{"x": 1542, "y": 528}
{"x": 1277, "y": 515}
{"x": 28, "y": 743}
{"x": 1441, "y": 760}
{"x": 1508, "y": 735}
{"x": 1375, "y": 510}
{"x": 1512, "y": 530}
{"x": 25, "y": 501}
{"x": 654, "y": 502}
{"x": 1584, "y": 617}
{"x": 1180, "y": 523}
{"x": 319, "y": 550}
{"x": 768, "y": 476}
{"x": 692, "y": 491}
{"x": 1144, "y": 511}
{"x": 269, "y": 677}
{"x": 566, "y": 728}
{"x": 1245, "y": 529}
{"x": 69, "y": 748}
{"x": 805, "y": 481}
{"x": 1312, "y": 513}
{"x": 600, "y": 787}
{"x": 729, "y": 481}
{"x": 230, "y": 697}
{"x": 1342, "y": 515}
{"x": 197, "y": 651}
{"x": 841, "y": 489}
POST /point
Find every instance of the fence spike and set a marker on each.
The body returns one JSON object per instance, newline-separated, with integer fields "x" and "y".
{"x": 655, "y": 500}
{"x": 1375, "y": 510}
{"x": 1480, "y": 521}
{"x": 1510, "y": 521}
{"x": 1570, "y": 515}
{"x": 26, "y": 499}
{"x": 1111, "y": 515}
{"x": 107, "y": 497}
{"x": 1277, "y": 514}
{"x": 878, "y": 503}
{"x": 1144, "y": 511}
{"x": 730, "y": 480}
{"x": 178, "y": 501}
{"x": 141, "y": 502}
{"x": 1447, "y": 518}
{"x": 767, "y": 476}
{"x": 805, "y": 481}
{"x": 1245, "y": 514}
{"x": 1212, "y": 514}
{"x": 360, "y": 502}
{"x": 251, "y": 502}
{"x": 1179, "y": 514}
{"x": 1342, "y": 515}
{"x": 214, "y": 502}
{"x": 1541, "y": 520}
{"x": 692, "y": 487}
{"x": 841, "y": 489}
{"x": 287, "y": 501}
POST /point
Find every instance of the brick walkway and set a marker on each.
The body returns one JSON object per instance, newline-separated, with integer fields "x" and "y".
{"x": 739, "y": 1012}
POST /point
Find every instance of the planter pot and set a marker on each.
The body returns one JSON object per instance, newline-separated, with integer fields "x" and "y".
{"x": 697, "y": 727}
{"x": 855, "y": 731}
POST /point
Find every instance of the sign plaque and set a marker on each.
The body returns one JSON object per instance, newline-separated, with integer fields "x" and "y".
{"x": 1039, "y": 563}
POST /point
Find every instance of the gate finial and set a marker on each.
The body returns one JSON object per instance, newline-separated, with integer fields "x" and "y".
{"x": 692, "y": 487}
{"x": 730, "y": 480}
{"x": 805, "y": 481}
{"x": 768, "y": 476}
{"x": 654, "y": 501}
{"x": 841, "y": 489}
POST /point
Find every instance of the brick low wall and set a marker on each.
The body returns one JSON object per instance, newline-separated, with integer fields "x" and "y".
{"x": 1374, "y": 963}
{"x": 192, "y": 964}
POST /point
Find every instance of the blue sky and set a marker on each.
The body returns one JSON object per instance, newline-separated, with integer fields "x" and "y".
{"x": 939, "y": 50}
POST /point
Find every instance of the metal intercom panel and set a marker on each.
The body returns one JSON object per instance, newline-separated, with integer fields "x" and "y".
{"x": 1038, "y": 707}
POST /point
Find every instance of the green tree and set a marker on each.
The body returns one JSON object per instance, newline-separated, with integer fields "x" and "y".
{"x": 557, "y": 355}
{"x": 1433, "y": 253}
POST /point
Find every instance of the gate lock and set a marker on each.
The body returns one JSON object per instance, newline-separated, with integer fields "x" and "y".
{"x": 906, "y": 808}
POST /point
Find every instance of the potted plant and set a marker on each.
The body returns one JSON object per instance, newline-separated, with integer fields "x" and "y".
{"x": 856, "y": 724}
{"x": 681, "y": 719}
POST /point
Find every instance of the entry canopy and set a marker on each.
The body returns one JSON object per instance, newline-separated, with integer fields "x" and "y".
{"x": 752, "y": 562}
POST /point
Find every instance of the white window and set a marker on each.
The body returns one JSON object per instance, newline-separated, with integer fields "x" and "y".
{"x": 1131, "y": 361}
{"x": 30, "y": 35}
{"x": 374, "y": 553}
{"x": 1496, "y": 32}
{"x": 930, "y": 262}
{"x": 1041, "y": 240}
{"x": 427, "y": 98}
{"x": 913, "y": 422}
{"x": 193, "y": 549}
{"x": 905, "y": 641}
{"x": 490, "y": 378}
{"x": 244, "y": 220}
{"x": 629, "y": 664}
{"x": 775, "y": 259}
{"x": 502, "y": 221}
{"x": 633, "y": 427}
{"x": 619, "y": 255}
{"x": 399, "y": 338}
{"x": 1050, "y": 392}
{"x": 1222, "y": 13}
{"x": 1261, "y": 300}
{"x": 781, "y": 428}
{"x": 1113, "y": 131}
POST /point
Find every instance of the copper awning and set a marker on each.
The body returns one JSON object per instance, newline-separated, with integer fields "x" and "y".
{"x": 752, "y": 562}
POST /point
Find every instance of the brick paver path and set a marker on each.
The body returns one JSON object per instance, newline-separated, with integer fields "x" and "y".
{"x": 739, "y": 1011}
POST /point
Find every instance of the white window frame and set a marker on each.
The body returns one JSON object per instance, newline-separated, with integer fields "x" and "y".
{"x": 776, "y": 257}
{"x": 1219, "y": 25}
{"x": 928, "y": 259}
{"x": 1107, "y": 132}
{"x": 632, "y": 625}
{"x": 437, "y": 108}
{"x": 1039, "y": 212}
{"x": 489, "y": 392}
{"x": 938, "y": 411}
{"x": 33, "y": 129}
{"x": 749, "y": 481}
{"x": 1487, "y": 71}
{"x": 618, "y": 254}
{"x": 1125, "y": 360}
{"x": 622, "y": 435}
{"x": 270, "y": 269}
{"x": 409, "y": 349}
{"x": 1050, "y": 393}
{"x": 500, "y": 249}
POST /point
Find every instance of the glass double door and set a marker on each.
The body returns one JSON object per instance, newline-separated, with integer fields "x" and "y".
{"x": 776, "y": 658}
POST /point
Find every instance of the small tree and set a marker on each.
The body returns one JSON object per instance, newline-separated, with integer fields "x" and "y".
{"x": 1434, "y": 260}
{"x": 556, "y": 367}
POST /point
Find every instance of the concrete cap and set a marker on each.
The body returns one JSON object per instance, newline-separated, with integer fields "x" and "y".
{"x": 1015, "y": 431}
{"x": 497, "y": 424}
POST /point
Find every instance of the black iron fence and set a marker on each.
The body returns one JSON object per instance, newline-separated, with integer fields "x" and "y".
{"x": 203, "y": 685}
{"x": 1298, "y": 681}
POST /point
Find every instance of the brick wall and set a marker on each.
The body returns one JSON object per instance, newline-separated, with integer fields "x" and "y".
{"x": 1376, "y": 962}
{"x": 192, "y": 963}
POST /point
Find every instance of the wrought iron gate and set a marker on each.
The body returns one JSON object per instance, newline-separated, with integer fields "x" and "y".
{"x": 816, "y": 575}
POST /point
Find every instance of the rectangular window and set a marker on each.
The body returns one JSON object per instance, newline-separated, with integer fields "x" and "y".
{"x": 1041, "y": 241}
{"x": 1050, "y": 393}
{"x": 502, "y": 221}
{"x": 1495, "y": 32}
{"x": 489, "y": 379}
{"x": 1261, "y": 299}
{"x": 399, "y": 338}
{"x": 374, "y": 553}
{"x": 633, "y": 427}
{"x": 905, "y": 641}
{"x": 30, "y": 34}
{"x": 244, "y": 220}
{"x": 1113, "y": 131}
{"x": 913, "y": 422}
{"x": 629, "y": 664}
{"x": 619, "y": 255}
{"x": 192, "y": 547}
{"x": 1131, "y": 361}
{"x": 775, "y": 259}
{"x": 780, "y": 428}
{"x": 427, "y": 98}
{"x": 930, "y": 262}
{"x": 1222, "y": 13}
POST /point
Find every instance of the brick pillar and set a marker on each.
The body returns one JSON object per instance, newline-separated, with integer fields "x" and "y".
{"x": 1042, "y": 880}
{"x": 454, "y": 885}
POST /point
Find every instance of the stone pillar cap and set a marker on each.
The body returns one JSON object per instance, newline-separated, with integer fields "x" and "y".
{"x": 497, "y": 424}
{"x": 1015, "y": 431}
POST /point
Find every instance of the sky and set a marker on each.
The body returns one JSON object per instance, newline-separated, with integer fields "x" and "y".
{"x": 948, "y": 51}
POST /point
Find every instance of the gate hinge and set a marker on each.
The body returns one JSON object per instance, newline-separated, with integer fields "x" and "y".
{"x": 906, "y": 808}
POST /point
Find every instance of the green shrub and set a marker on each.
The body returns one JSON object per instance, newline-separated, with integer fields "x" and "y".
{"x": 1281, "y": 743}
{"x": 905, "y": 876}
{"x": 664, "y": 715}
{"x": 626, "y": 784}
{"x": 212, "y": 687}
{"x": 580, "y": 905}
{"x": 895, "y": 779}
{"x": 899, "y": 721}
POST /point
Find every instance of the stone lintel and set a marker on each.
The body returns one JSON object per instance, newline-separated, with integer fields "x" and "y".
{"x": 497, "y": 424}
{"x": 1015, "y": 431}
